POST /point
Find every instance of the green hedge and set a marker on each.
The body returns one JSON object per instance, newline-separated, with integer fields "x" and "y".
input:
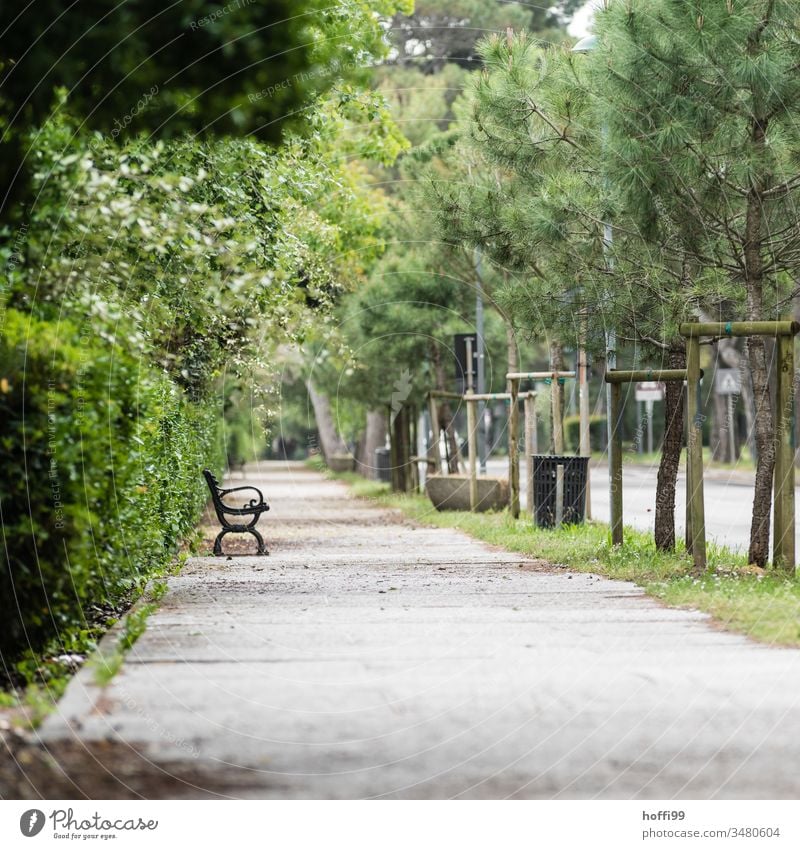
{"x": 597, "y": 432}
{"x": 101, "y": 458}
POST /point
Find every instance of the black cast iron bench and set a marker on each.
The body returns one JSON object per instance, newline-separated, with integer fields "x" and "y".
{"x": 255, "y": 507}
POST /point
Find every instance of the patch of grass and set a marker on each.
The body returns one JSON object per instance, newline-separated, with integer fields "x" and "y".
{"x": 106, "y": 666}
{"x": 764, "y": 606}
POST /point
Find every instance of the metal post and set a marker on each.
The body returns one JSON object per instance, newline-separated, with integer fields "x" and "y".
{"x": 513, "y": 451}
{"x": 731, "y": 429}
{"x": 649, "y": 413}
{"x": 783, "y": 552}
{"x": 696, "y": 509}
{"x": 558, "y": 428}
{"x": 615, "y": 462}
{"x": 559, "y": 518}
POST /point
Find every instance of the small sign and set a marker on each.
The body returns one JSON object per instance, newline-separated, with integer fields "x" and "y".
{"x": 727, "y": 381}
{"x": 650, "y": 390}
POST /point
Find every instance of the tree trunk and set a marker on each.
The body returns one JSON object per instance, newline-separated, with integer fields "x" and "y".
{"x": 670, "y": 456}
{"x": 330, "y": 440}
{"x": 402, "y": 480}
{"x": 756, "y": 349}
{"x": 374, "y": 438}
{"x": 765, "y": 466}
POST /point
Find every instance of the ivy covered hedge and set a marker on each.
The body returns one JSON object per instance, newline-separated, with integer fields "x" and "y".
{"x": 101, "y": 456}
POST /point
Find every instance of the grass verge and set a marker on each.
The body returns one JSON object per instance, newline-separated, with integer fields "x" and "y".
{"x": 765, "y": 606}
{"x": 39, "y": 679}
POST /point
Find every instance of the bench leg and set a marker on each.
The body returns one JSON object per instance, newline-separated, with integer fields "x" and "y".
{"x": 218, "y": 543}
{"x": 262, "y": 549}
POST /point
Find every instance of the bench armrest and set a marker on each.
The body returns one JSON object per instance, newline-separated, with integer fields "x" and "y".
{"x": 224, "y": 492}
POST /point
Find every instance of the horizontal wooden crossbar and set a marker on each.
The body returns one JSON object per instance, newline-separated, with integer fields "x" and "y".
{"x": 440, "y": 393}
{"x": 647, "y": 375}
{"x": 540, "y": 375}
{"x": 490, "y": 396}
{"x": 693, "y": 329}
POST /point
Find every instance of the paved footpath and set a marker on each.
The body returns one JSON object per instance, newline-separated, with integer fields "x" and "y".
{"x": 368, "y": 657}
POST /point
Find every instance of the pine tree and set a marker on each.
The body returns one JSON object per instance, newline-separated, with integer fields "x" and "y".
{"x": 701, "y": 101}
{"x": 538, "y": 205}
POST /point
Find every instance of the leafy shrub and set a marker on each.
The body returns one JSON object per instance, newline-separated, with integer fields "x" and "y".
{"x": 101, "y": 457}
{"x": 597, "y": 432}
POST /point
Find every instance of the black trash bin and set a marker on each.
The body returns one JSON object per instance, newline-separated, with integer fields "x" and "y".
{"x": 383, "y": 464}
{"x": 545, "y": 470}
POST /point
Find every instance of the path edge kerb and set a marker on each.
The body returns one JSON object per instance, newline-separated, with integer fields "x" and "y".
{"x": 83, "y": 691}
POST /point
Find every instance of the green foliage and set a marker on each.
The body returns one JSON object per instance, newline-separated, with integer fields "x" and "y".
{"x": 240, "y": 68}
{"x": 151, "y": 282}
{"x": 700, "y": 104}
{"x": 107, "y": 453}
{"x": 195, "y": 247}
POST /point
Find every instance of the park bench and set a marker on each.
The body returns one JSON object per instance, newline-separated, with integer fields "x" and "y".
{"x": 255, "y": 507}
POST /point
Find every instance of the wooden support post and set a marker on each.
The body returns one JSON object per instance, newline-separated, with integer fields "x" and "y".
{"x": 615, "y": 463}
{"x": 513, "y": 450}
{"x": 783, "y": 551}
{"x": 413, "y": 423}
{"x": 696, "y": 509}
{"x": 472, "y": 436}
{"x": 434, "y": 449}
{"x": 530, "y": 445}
{"x": 585, "y": 449}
